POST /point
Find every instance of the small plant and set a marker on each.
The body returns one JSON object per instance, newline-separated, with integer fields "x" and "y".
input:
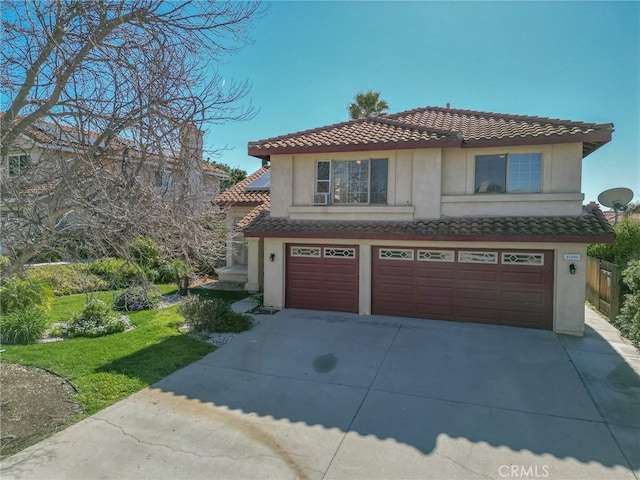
{"x": 628, "y": 321}
{"x": 18, "y": 293}
{"x": 212, "y": 315}
{"x": 143, "y": 296}
{"x": 23, "y": 326}
{"x": 116, "y": 271}
{"x": 95, "y": 320}
{"x": 68, "y": 279}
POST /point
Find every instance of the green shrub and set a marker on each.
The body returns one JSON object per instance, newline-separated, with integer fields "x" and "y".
{"x": 95, "y": 320}
{"x": 625, "y": 247}
{"x": 628, "y": 321}
{"x": 117, "y": 272}
{"x": 23, "y": 326}
{"x": 136, "y": 297}
{"x": 146, "y": 252}
{"x": 4, "y": 263}
{"x": 19, "y": 294}
{"x": 68, "y": 279}
{"x": 212, "y": 315}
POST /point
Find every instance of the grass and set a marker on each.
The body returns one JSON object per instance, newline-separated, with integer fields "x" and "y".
{"x": 106, "y": 369}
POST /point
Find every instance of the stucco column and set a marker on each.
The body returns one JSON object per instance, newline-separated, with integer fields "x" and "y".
{"x": 570, "y": 289}
{"x": 253, "y": 264}
{"x": 364, "y": 272}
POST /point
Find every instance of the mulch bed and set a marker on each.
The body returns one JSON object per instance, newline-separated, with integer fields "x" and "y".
{"x": 33, "y": 405}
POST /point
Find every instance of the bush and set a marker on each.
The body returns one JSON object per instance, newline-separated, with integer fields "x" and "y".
{"x": 68, "y": 279}
{"x": 23, "y": 326}
{"x": 116, "y": 271}
{"x": 212, "y": 315}
{"x": 628, "y": 321}
{"x": 625, "y": 247}
{"x": 95, "y": 320}
{"x": 136, "y": 297}
{"x": 19, "y": 294}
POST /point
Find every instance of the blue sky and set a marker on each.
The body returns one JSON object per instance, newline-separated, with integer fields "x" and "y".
{"x": 568, "y": 60}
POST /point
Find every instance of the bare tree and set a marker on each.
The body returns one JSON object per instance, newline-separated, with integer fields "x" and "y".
{"x": 111, "y": 87}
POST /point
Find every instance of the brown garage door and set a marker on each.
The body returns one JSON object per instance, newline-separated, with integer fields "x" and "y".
{"x": 505, "y": 287}
{"x": 322, "y": 277}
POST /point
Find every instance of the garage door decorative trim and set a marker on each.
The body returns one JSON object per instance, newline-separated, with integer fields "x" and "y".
{"x": 436, "y": 256}
{"x": 305, "y": 252}
{"x": 332, "y": 252}
{"x": 477, "y": 257}
{"x": 395, "y": 254}
{"x": 510, "y": 258}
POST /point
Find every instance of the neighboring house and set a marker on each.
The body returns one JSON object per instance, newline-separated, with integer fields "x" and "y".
{"x": 243, "y": 203}
{"x": 433, "y": 213}
{"x": 44, "y": 144}
{"x": 632, "y": 213}
{"x": 40, "y": 158}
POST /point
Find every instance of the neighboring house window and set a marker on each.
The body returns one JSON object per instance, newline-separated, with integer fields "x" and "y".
{"x": 353, "y": 181}
{"x": 512, "y": 173}
{"x": 239, "y": 247}
{"x": 162, "y": 179}
{"x": 17, "y": 164}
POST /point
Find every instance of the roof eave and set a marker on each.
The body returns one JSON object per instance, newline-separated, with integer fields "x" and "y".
{"x": 601, "y": 238}
{"x": 255, "y": 151}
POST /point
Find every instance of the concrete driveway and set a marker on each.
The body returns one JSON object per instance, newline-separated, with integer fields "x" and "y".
{"x": 339, "y": 396}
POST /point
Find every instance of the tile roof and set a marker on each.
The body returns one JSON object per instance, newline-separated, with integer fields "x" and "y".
{"x": 590, "y": 227}
{"x": 237, "y": 195}
{"x": 49, "y": 133}
{"x": 435, "y": 127}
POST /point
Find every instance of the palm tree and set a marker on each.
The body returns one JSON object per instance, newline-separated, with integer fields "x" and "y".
{"x": 367, "y": 104}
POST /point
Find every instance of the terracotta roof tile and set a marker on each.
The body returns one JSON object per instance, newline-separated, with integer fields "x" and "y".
{"x": 590, "y": 227}
{"x": 435, "y": 127}
{"x": 252, "y": 216}
{"x": 237, "y": 195}
{"x": 50, "y": 133}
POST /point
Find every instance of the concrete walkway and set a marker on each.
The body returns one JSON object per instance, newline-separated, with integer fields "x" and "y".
{"x": 339, "y": 396}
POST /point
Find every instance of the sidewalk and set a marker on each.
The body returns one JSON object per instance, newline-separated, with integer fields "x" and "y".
{"x": 609, "y": 366}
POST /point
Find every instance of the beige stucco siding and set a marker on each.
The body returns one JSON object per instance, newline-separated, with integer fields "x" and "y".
{"x": 432, "y": 183}
{"x": 569, "y": 289}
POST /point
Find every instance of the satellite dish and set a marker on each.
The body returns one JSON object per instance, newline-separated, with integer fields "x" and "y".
{"x": 616, "y": 198}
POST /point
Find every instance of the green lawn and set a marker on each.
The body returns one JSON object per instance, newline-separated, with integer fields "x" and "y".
{"x": 107, "y": 369}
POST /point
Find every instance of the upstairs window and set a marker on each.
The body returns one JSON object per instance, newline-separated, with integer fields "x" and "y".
{"x": 17, "y": 164}
{"x": 162, "y": 179}
{"x": 511, "y": 173}
{"x": 352, "y": 181}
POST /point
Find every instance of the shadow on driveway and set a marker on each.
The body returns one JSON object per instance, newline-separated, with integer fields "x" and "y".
{"x": 340, "y": 396}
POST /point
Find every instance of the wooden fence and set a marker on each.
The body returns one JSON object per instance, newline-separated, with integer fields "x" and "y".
{"x": 604, "y": 287}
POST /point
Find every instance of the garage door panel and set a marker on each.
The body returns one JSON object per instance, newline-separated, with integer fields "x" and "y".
{"x": 535, "y": 277}
{"x": 523, "y": 298}
{"x": 524, "y": 317}
{"x": 509, "y": 292}
{"x": 325, "y": 282}
{"x": 435, "y": 273}
{"x": 477, "y": 274}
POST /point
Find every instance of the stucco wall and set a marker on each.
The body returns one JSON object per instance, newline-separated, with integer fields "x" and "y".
{"x": 569, "y": 289}
{"x": 432, "y": 183}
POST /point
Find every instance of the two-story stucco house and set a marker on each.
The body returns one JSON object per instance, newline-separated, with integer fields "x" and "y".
{"x": 434, "y": 213}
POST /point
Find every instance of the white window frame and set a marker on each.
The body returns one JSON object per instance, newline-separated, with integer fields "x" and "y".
{"x": 507, "y": 172}
{"x": 448, "y": 256}
{"x": 538, "y": 262}
{"x": 305, "y": 251}
{"x": 470, "y": 256}
{"x": 409, "y": 251}
{"x": 350, "y": 252}
{"x": 21, "y": 168}
{"x": 165, "y": 178}
{"x": 331, "y": 181}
